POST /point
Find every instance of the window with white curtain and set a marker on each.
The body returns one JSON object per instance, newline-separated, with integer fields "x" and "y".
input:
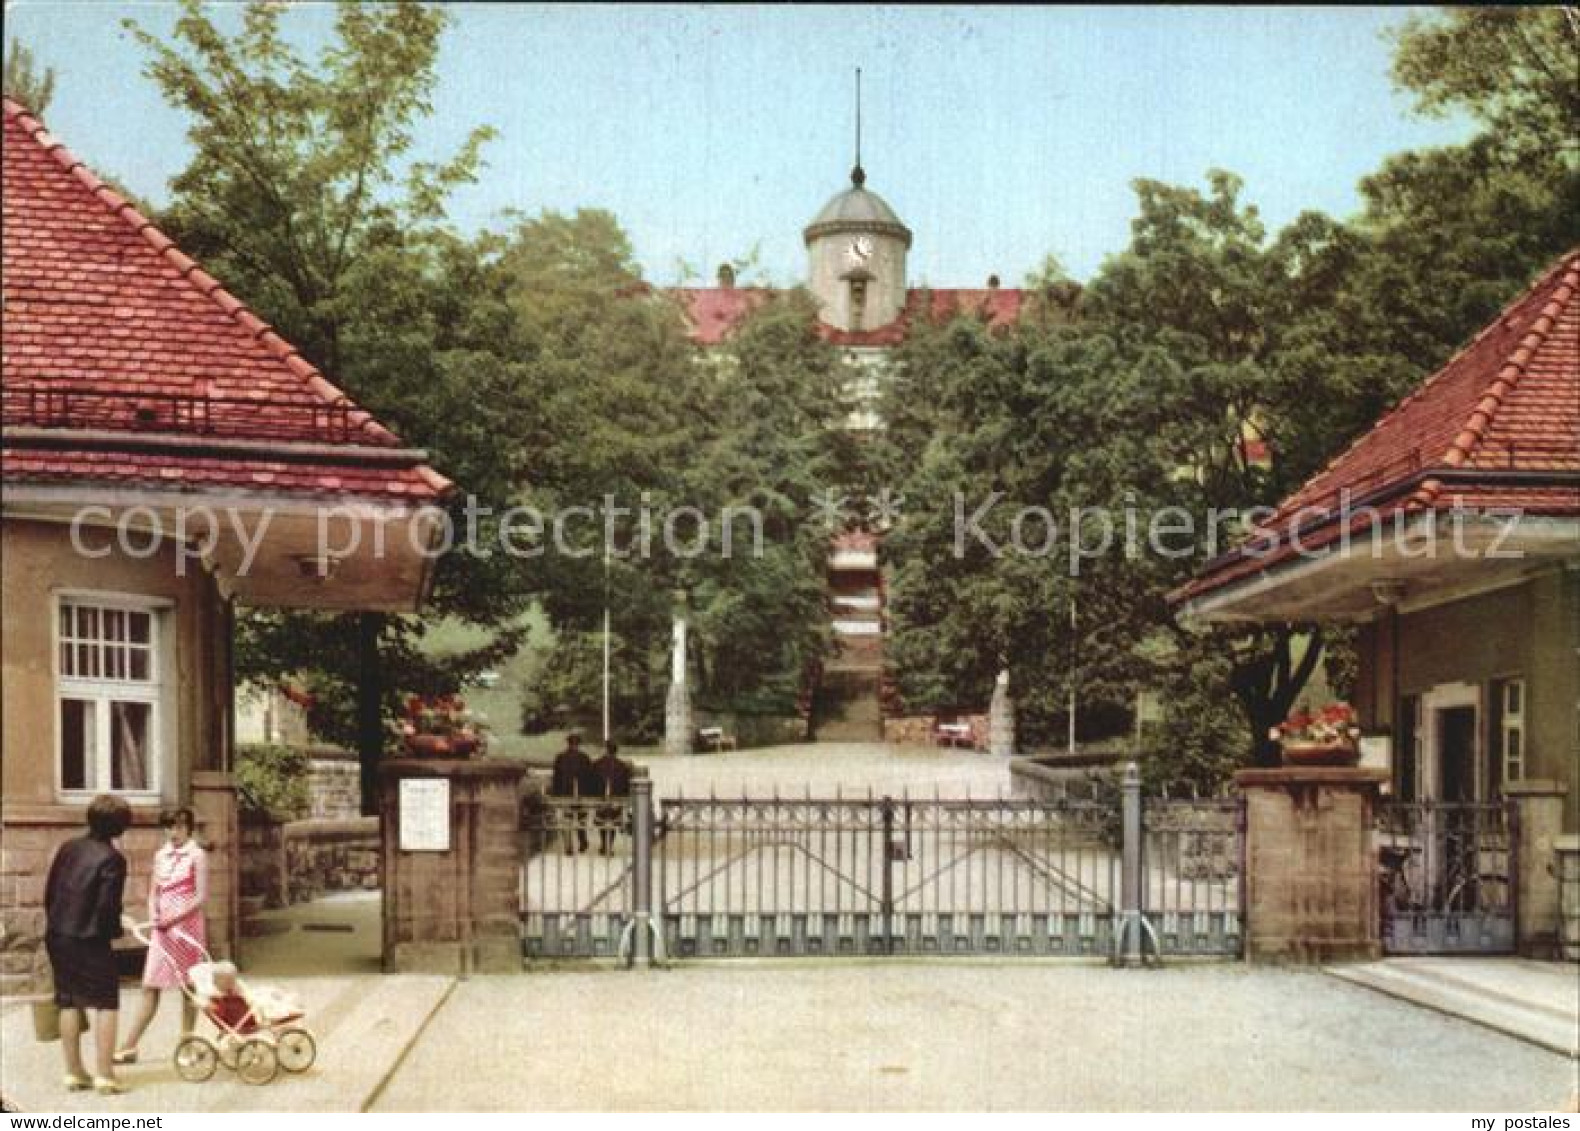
{"x": 108, "y": 692}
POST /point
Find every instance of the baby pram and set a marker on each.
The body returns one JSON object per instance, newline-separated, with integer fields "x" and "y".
{"x": 257, "y": 1030}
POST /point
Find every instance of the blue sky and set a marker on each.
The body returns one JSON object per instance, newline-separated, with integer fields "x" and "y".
{"x": 999, "y": 134}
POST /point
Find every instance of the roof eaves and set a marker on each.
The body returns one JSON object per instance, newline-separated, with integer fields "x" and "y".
{"x": 1481, "y": 417}
{"x": 201, "y": 280}
{"x": 1569, "y": 263}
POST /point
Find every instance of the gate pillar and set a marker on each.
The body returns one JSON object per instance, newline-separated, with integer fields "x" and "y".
{"x": 1310, "y": 864}
{"x": 1537, "y": 825}
{"x": 451, "y": 854}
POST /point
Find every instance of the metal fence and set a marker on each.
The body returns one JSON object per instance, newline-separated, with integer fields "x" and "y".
{"x": 1093, "y": 872}
{"x": 1193, "y": 867}
{"x": 1446, "y": 876}
{"x": 576, "y": 877}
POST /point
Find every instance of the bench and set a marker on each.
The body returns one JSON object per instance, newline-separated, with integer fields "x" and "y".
{"x": 715, "y": 739}
{"x": 953, "y": 734}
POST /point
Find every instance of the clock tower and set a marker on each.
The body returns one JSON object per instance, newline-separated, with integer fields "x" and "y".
{"x": 856, "y": 248}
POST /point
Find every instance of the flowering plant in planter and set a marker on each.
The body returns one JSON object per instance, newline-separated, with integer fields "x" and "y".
{"x": 1327, "y": 735}
{"x": 440, "y": 726}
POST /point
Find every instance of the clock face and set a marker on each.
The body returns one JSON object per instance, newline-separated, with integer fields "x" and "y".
{"x": 860, "y": 249}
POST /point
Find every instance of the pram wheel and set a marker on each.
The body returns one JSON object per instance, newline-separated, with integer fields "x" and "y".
{"x": 256, "y": 1062}
{"x": 296, "y": 1050}
{"x": 195, "y": 1059}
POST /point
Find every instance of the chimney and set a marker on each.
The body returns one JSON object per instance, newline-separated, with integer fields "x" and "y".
{"x": 726, "y": 277}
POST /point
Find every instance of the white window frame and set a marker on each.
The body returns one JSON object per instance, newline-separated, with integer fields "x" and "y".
{"x": 154, "y": 691}
{"x": 1512, "y": 722}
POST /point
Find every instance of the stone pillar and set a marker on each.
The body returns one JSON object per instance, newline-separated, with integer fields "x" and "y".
{"x": 452, "y": 884}
{"x": 1310, "y": 864}
{"x": 214, "y": 804}
{"x": 678, "y": 738}
{"x": 1001, "y": 718}
{"x": 1539, "y": 807}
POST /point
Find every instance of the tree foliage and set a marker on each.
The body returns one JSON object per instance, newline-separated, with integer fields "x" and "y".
{"x": 1514, "y": 68}
{"x": 1211, "y": 366}
{"x": 24, "y": 82}
{"x": 302, "y": 196}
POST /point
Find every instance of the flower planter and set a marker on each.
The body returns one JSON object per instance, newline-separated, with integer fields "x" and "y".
{"x": 1321, "y": 753}
{"x": 428, "y": 745}
{"x": 442, "y": 745}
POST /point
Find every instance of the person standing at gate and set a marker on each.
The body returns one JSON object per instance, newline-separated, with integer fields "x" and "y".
{"x": 82, "y": 914}
{"x": 574, "y": 778}
{"x": 177, "y": 891}
{"x": 614, "y": 780}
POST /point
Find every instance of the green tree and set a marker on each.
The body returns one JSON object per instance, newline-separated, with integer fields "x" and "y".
{"x": 301, "y": 195}
{"x": 771, "y": 439}
{"x": 637, "y": 419}
{"x": 1514, "y": 68}
{"x": 23, "y": 81}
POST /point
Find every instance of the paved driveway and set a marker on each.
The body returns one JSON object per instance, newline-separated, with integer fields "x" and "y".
{"x": 825, "y": 767}
{"x": 958, "y": 1035}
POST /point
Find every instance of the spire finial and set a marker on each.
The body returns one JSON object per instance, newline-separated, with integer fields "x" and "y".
{"x": 858, "y": 176}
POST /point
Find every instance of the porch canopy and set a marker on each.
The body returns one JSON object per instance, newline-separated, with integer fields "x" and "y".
{"x": 1470, "y": 483}
{"x": 142, "y": 398}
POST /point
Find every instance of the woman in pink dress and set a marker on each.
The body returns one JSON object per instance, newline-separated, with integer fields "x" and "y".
{"x": 177, "y": 891}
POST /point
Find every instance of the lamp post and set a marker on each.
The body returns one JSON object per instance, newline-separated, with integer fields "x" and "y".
{"x": 606, "y": 638}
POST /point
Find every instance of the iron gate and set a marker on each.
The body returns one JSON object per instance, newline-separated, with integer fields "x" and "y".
{"x": 831, "y": 876}
{"x": 576, "y": 897}
{"x": 885, "y": 876}
{"x": 1446, "y": 877}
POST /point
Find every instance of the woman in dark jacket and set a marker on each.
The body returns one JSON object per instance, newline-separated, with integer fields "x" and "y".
{"x": 82, "y": 906}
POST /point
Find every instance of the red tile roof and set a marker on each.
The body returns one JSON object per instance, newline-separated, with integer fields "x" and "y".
{"x": 1496, "y": 427}
{"x": 713, "y": 313}
{"x": 110, "y": 329}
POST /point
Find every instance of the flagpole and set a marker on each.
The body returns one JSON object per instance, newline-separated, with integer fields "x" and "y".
{"x": 1074, "y": 644}
{"x": 606, "y": 641}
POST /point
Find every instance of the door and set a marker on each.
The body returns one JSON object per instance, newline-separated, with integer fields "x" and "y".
{"x": 1456, "y": 754}
{"x": 1450, "y": 742}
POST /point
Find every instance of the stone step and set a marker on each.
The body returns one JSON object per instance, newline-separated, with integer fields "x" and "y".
{"x": 843, "y": 730}
{"x": 1538, "y": 1022}
{"x": 868, "y": 668}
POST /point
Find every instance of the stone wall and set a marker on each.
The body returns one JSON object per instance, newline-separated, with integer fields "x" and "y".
{"x": 331, "y": 856}
{"x": 262, "y": 864}
{"x": 1044, "y": 780}
{"x": 334, "y": 784}
{"x": 285, "y": 863}
{"x": 27, "y": 851}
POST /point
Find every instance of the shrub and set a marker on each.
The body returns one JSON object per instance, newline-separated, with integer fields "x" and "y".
{"x": 272, "y": 780}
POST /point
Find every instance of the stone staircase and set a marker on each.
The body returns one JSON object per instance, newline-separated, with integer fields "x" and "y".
{"x": 848, "y": 704}
{"x": 846, "y": 707}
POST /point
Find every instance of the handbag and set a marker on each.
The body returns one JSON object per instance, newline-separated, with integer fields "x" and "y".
{"x": 46, "y": 1019}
